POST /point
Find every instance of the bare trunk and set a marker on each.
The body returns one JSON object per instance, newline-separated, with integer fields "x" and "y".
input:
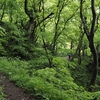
{"x": 78, "y": 47}
{"x": 95, "y": 65}
{"x": 79, "y": 57}
{"x": 90, "y": 36}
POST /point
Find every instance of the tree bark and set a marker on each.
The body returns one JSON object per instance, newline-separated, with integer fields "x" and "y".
{"x": 95, "y": 64}
{"x": 33, "y": 23}
{"x": 90, "y": 36}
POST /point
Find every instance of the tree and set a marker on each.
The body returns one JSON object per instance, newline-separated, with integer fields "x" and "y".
{"x": 90, "y": 36}
{"x": 34, "y": 14}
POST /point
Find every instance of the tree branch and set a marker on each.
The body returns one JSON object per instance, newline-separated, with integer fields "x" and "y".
{"x": 45, "y": 18}
{"x": 3, "y": 9}
{"x": 97, "y": 18}
{"x": 26, "y": 8}
{"x": 68, "y": 20}
{"x": 94, "y": 17}
{"x": 83, "y": 18}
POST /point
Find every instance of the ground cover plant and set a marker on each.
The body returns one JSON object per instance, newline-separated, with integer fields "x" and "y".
{"x": 2, "y": 95}
{"x": 50, "y": 83}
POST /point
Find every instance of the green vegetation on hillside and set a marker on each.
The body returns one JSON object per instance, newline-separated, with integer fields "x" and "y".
{"x": 52, "y": 48}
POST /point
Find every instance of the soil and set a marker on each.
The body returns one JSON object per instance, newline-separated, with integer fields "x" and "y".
{"x": 12, "y": 91}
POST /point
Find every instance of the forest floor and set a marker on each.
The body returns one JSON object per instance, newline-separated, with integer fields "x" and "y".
{"x": 12, "y": 91}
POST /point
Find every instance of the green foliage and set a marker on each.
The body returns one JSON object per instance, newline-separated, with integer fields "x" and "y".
{"x": 49, "y": 83}
{"x": 62, "y": 29}
{"x": 12, "y": 41}
{"x": 14, "y": 44}
{"x": 38, "y": 58}
{"x": 2, "y": 95}
{"x": 58, "y": 62}
{"x": 13, "y": 66}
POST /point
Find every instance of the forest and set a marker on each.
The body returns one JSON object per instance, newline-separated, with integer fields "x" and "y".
{"x": 51, "y": 48}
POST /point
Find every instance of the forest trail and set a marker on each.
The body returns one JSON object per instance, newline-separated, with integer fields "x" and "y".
{"x": 12, "y": 91}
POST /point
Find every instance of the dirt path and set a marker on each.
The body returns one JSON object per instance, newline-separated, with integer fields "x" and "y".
{"x": 12, "y": 91}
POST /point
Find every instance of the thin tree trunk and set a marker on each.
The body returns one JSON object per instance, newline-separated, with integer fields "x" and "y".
{"x": 79, "y": 46}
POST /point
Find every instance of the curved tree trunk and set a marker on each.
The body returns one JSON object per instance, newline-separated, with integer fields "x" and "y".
{"x": 95, "y": 64}
{"x": 90, "y": 36}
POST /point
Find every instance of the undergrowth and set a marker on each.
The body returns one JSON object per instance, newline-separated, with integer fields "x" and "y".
{"x": 2, "y": 95}
{"x": 53, "y": 83}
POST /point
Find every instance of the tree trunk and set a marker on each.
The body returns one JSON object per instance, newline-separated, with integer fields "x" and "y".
{"x": 31, "y": 31}
{"x": 79, "y": 57}
{"x": 78, "y": 47}
{"x": 83, "y": 50}
{"x": 90, "y": 36}
{"x": 95, "y": 65}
